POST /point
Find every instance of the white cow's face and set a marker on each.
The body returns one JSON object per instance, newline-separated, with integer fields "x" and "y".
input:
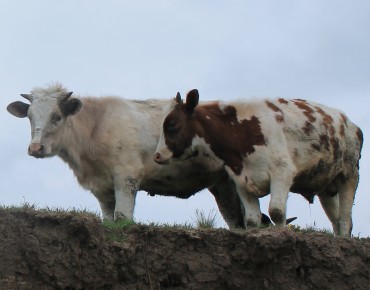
{"x": 46, "y": 121}
{"x": 47, "y": 114}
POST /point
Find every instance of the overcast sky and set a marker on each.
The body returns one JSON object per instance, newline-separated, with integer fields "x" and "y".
{"x": 312, "y": 49}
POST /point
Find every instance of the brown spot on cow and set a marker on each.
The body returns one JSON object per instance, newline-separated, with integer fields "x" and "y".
{"x": 279, "y": 113}
{"x": 327, "y": 121}
{"x": 306, "y": 108}
{"x": 279, "y": 118}
{"x": 283, "y": 101}
{"x": 308, "y": 128}
{"x": 335, "y": 145}
{"x": 344, "y": 118}
{"x": 331, "y": 130}
{"x": 342, "y": 131}
{"x": 324, "y": 141}
{"x": 229, "y": 142}
{"x": 316, "y": 147}
{"x": 273, "y": 107}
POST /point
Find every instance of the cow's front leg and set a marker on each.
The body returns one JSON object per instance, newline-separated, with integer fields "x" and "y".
{"x": 125, "y": 194}
{"x": 252, "y": 211}
{"x": 281, "y": 180}
{"x": 279, "y": 190}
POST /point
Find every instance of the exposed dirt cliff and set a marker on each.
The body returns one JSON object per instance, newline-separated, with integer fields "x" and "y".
{"x": 45, "y": 250}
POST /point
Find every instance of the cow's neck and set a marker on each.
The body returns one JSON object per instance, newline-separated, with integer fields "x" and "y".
{"x": 78, "y": 138}
{"x": 229, "y": 139}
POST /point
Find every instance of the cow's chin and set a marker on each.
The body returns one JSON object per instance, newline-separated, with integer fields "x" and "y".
{"x": 188, "y": 154}
{"x": 43, "y": 155}
{"x": 165, "y": 161}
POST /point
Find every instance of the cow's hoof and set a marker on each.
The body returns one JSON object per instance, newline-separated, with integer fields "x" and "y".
{"x": 118, "y": 216}
{"x": 277, "y": 217}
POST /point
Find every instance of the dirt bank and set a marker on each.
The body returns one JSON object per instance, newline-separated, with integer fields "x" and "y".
{"x": 57, "y": 250}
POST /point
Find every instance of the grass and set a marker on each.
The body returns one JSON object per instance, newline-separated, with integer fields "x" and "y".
{"x": 311, "y": 229}
{"x": 121, "y": 224}
{"x": 201, "y": 220}
{"x": 204, "y": 221}
{"x": 26, "y": 206}
{"x": 23, "y": 206}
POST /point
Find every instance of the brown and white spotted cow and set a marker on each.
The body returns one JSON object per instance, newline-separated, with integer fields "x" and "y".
{"x": 271, "y": 147}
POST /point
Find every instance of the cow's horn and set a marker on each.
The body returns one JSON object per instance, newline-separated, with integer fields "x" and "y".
{"x": 67, "y": 96}
{"x": 27, "y": 96}
{"x": 178, "y": 98}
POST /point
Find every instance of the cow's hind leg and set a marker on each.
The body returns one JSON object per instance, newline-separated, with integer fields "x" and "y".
{"x": 346, "y": 192}
{"x": 228, "y": 203}
{"x": 107, "y": 209}
{"x": 330, "y": 204}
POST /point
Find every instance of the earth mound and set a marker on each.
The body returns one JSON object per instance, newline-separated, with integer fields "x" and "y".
{"x": 40, "y": 249}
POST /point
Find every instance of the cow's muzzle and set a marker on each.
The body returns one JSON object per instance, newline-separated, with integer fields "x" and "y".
{"x": 157, "y": 157}
{"x": 36, "y": 150}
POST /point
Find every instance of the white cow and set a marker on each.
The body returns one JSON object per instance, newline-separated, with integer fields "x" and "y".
{"x": 108, "y": 143}
{"x": 270, "y": 146}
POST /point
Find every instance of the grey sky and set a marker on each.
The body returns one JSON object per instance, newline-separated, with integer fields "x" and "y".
{"x": 313, "y": 49}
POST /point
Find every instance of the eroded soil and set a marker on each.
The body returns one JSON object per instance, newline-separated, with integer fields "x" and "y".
{"x": 44, "y": 250}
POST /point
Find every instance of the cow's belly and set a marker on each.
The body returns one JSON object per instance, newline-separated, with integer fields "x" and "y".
{"x": 317, "y": 179}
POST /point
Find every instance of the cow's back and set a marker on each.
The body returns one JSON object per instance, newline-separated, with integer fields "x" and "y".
{"x": 320, "y": 141}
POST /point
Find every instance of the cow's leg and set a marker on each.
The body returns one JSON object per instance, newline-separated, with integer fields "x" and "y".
{"x": 107, "y": 209}
{"x": 252, "y": 212}
{"x": 280, "y": 182}
{"x": 228, "y": 203}
{"x": 125, "y": 194}
{"x": 250, "y": 202}
{"x": 330, "y": 204}
{"x": 279, "y": 189}
{"x": 125, "y": 202}
{"x": 346, "y": 192}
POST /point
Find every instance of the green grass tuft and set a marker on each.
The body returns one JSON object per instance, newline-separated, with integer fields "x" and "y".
{"x": 121, "y": 224}
{"x": 204, "y": 221}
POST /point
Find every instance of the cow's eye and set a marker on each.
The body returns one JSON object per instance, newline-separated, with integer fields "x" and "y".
{"x": 171, "y": 127}
{"x": 56, "y": 118}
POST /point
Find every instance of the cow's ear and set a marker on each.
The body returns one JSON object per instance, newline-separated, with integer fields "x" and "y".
{"x": 72, "y": 107}
{"x": 192, "y": 99}
{"x": 18, "y": 109}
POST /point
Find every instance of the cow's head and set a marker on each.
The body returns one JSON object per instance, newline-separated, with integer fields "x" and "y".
{"x": 178, "y": 130}
{"x": 48, "y": 110}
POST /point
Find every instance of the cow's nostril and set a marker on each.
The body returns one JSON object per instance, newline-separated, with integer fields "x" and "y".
{"x": 36, "y": 149}
{"x": 157, "y": 156}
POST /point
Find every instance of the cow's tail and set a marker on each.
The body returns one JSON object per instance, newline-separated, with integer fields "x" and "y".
{"x": 360, "y": 137}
